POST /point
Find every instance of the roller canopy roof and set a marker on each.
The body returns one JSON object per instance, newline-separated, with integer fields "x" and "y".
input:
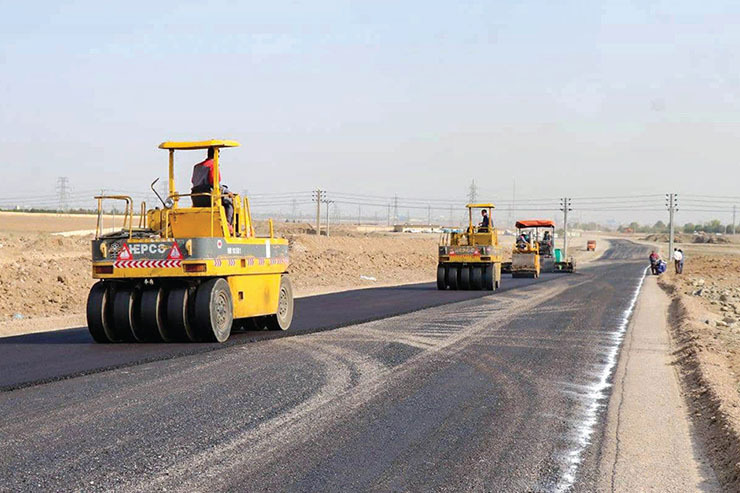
{"x": 203, "y": 144}
{"x": 535, "y": 223}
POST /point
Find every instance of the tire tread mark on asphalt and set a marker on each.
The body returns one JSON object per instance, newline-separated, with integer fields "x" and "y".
{"x": 289, "y": 429}
{"x": 248, "y": 338}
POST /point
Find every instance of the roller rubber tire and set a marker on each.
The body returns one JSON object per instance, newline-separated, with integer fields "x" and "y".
{"x": 152, "y": 309}
{"x": 452, "y": 279}
{"x": 213, "y": 310}
{"x": 488, "y": 275}
{"x": 99, "y": 320}
{"x": 179, "y": 323}
{"x": 476, "y": 277}
{"x": 441, "y": 278}
{"x": 465, "y": 278}
{"x": 282, "y": 319}
{"x": 124, "y": 307}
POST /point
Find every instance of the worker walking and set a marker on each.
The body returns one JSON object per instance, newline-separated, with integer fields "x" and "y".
{"x": 678, "y": 260}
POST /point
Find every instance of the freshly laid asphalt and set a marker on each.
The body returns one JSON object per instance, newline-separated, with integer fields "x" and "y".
{"x": 48, "y": 356}
{"x": 490, "y": 393}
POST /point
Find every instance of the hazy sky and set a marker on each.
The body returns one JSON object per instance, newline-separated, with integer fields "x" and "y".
{"x": 579, "y": 98}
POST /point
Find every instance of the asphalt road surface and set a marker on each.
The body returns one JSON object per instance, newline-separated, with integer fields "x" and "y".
{"x": 504, "y": 392}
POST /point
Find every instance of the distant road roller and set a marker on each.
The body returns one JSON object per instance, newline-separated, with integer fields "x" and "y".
{"x": 471, "y": 259}
{"x": 185, "y": 273}
{"x": 534, "y": 250}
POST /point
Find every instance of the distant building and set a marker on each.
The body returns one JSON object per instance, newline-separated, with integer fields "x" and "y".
{"x": 417, "y": 228}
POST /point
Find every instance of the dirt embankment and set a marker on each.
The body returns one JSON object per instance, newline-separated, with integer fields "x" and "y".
{"x": 705, "y": 320}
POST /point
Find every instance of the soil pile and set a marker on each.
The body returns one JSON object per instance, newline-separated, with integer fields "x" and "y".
{"x": 686, "y": 238}
{"x": 705, "y": 316}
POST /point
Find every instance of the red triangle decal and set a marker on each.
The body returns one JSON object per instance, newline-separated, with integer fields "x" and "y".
{"x": 125, "y": 253}
{"x": 175, "y": 253}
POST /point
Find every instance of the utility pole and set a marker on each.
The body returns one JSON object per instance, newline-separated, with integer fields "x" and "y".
{"x": 429, "y": 215}
{"x": 327, "y": 202}
{"x": 513, "y": 203}
{"x": 395, "y": 209}
{"x": 473, "y": 192}
{"x": 671, "y": 202}
{"x": 734, "y": 213}
{"x": 293, "y": 209}
{"x": 359, "y": 215}
{"x": 451, "y": 224}
{"x": 565, "y": 204}
{"x": 318, "y": 197}
{"x": 63, "y": 192}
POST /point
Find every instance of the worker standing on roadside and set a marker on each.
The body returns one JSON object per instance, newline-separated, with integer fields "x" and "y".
{"x": 680, "y": 263}
{"x": 677, "y": 260}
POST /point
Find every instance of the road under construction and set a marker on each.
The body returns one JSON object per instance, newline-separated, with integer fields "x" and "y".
{"x": 387, "y": 388}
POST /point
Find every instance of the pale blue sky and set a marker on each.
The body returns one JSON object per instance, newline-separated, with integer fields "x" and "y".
{"x": 579, "y": 98}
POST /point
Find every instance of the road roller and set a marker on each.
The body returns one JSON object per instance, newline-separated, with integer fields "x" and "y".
{"x": 534, "y": 251}
{"x": 471, "y": 259}
{"x": 189, "y": 269}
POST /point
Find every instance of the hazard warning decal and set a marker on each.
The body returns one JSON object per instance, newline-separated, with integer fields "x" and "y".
{"x": 175, "y": 253}
{"x": 124, "y": 253}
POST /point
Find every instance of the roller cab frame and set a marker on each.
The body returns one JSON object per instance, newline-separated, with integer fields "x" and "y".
{"x": 180, "y": 274}
{"x": 470, "y": 259}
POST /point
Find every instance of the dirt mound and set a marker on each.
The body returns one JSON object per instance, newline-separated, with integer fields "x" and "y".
{"x": 664, "y": 237}
{"x": 687, "y": 238}
{"x": 42, "y": 275}
{"x": 712, "y": 239}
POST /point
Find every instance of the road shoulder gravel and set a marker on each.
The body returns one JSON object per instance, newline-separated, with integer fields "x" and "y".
{"x": 649, "y": 442}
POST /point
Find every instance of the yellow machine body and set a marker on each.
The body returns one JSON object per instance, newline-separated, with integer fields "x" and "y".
{"x": 470, "y": 259}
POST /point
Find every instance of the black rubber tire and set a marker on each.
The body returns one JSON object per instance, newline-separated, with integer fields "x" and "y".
{"x": 476, "y": 277}
{"x": 258, "y": 323}
{"x": 441, "y": 278}
{"x": 282, "y": 319}
{"x": 465, "y": 277}
{"x": 452, "y": 278}
{"x": 152, "y": 311}
{"x": 213, "y": 310}
{"x": 245, "y": 325}
{"x": 488, "y": 275}
{"x": 99, "y": 318}
{"x": 124, "y": 308}
{"x": 179, "y": 326}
